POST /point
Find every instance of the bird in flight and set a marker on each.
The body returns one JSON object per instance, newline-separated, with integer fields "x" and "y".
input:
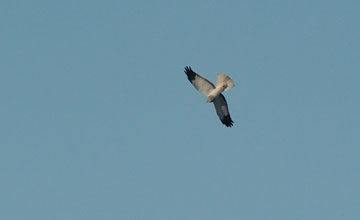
{"x": 204, "y": 86}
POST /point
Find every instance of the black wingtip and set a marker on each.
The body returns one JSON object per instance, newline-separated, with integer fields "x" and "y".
{"x": 226, "y": 120}
{"x": 190, "y": 73}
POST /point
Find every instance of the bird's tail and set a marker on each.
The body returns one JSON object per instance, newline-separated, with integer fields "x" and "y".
{"x": 222, "y": 78}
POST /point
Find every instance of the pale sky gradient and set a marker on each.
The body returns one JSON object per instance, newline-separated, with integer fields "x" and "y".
{"x": 98, "y": 119}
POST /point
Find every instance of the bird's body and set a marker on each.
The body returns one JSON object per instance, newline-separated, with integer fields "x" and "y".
{"x": 214, "y": 94}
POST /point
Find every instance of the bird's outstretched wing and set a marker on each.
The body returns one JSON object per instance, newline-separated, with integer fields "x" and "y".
{"x": 200, "y": 83}
{"x": 222, "y": 110}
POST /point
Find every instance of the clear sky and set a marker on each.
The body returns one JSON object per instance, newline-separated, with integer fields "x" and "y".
{"x": 98, "y": 119}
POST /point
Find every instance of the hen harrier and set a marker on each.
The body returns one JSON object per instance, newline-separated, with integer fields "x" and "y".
{"x": 204, "y": 86}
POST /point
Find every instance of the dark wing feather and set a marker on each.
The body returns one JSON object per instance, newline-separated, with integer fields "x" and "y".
{"x": 222, "y": 110}
{"x": 200, "y": 83}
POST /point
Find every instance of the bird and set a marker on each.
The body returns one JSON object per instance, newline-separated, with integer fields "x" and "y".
{"x": 213, "y": 93}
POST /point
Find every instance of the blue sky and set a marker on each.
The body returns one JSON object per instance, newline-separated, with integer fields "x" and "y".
{"x": 98, "y": 120}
